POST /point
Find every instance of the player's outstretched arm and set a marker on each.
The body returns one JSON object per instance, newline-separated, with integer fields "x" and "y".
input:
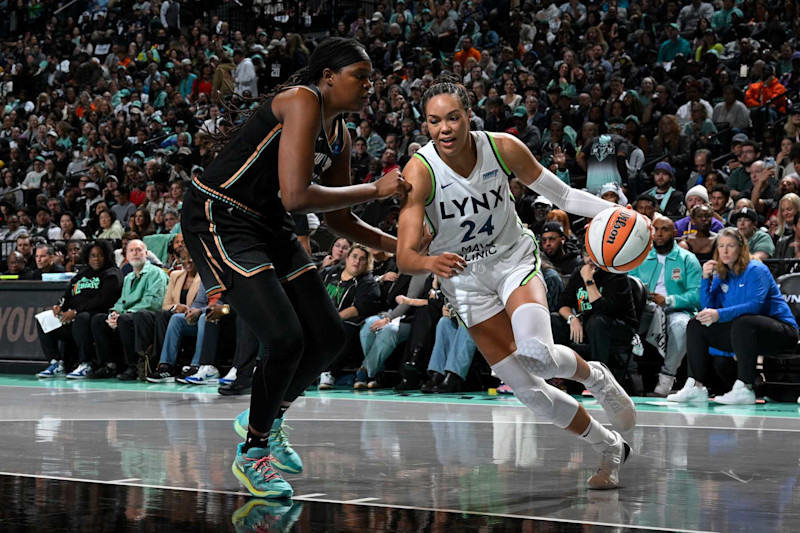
{"x": 298, "y": 110}
{"x": 410, "y": 229}
{"x": 529, "y": 171}
{"x": 342, "y": 221}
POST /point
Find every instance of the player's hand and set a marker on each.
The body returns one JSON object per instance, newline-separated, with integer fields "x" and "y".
{"x": 658, "y": 299}
{"x": 392, "y": 184}
{"x": 708, "y": 268}
{"x": 576, "y": 331}
{"x": 57, "y": 310}
{"x": 446, "y": 265}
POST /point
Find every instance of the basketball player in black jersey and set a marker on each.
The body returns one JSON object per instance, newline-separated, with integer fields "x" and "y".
{"x": 291, "y": 155}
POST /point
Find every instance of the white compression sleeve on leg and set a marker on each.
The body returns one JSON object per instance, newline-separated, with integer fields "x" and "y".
{"x": 547, "y": 402}
{"x": 534, "y": 338}
{"x": 565, "y": 197}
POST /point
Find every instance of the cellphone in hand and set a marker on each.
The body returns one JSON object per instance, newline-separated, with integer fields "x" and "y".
{"x": 769, "y": 162}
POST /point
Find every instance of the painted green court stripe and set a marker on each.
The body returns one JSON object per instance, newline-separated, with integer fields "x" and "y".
{"x": 652, "y": 405}
{"x": 433, "y": 178}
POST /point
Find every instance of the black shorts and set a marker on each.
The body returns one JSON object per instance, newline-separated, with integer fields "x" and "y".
{"x": 225, "y": 240}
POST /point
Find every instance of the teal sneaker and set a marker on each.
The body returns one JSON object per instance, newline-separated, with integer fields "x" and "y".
{"x": 284, "y": 457}
{"x": 254, "y": 470}
{"x": 265, "y": 515}
{"x": 241, "y": 422}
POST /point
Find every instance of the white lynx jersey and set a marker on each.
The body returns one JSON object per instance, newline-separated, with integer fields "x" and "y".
{"x": 474, "y": 215}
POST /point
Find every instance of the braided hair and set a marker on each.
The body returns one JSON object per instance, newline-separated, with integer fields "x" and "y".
{"x": 333, "y": 53}
{"x": 447, "y": 84}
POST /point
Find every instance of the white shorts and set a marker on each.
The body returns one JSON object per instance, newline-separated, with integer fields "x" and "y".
{"x": 483, "y": 288}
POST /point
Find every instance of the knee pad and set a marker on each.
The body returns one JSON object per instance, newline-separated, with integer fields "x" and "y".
{"x": 547, "y": 402}
{"x": 534, "y": 339}
{"x": 547, "y": 360}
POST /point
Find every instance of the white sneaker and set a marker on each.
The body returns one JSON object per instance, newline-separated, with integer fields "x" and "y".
{"x": 55, "y": 370}
{"x": 205, "y": 375}
{"x": 82, "y": 372}
{"x": 738, "y": 395}
{"x": 229, "y": 378}
{"x": 607, "y": 475}
{"x": 690, "y": 393}
{"x": 664, "y": 386}
{"x": 613, "y": 399}
{"x": 326, "y": 381}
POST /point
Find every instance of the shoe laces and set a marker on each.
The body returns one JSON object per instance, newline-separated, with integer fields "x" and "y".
{"x": 609, "y": 460}
{"x": 263, "y": 465}
{"x": 611, "y": 396}
{"x": 281, "y": 437}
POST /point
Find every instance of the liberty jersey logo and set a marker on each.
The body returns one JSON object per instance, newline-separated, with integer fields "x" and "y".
{"x": 603, "y": 148}
{"x": 86, "y": 283}
{"x": 321, "y": 163}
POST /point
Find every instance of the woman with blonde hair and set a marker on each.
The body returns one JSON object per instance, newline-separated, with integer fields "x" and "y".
{"x": 670, "y": 143}
{"x": 792, "y": 127}
{"x": 743, "y": 315}
{"x": 788, "y": 209}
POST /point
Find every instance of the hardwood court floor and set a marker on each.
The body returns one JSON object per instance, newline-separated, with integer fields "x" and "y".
{"x": 105, "y": 456}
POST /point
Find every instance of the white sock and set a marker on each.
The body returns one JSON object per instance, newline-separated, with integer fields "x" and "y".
{"x": 598, "y": 436}
{"x": 595, "y": 380}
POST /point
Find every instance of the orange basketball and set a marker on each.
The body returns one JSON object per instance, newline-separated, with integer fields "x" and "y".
{"x": 618, "y": 239}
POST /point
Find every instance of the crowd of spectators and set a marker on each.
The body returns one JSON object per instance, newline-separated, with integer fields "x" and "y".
{"x": 680, "y": 108}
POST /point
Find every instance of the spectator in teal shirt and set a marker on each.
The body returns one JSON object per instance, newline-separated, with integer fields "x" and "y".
{"x": 674, "y": 45}
{"x": 722, "y": 18}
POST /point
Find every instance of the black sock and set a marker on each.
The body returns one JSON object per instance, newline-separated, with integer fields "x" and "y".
{"x": 284, "y": 407}
{"x": 255, "y": 441}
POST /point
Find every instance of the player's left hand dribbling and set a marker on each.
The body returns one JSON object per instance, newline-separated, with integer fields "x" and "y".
{"x": 446, "y": 265}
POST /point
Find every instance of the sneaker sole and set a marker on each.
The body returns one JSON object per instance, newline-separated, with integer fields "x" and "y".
{"x": 255, "y": 492}
{"x": 734, "y": 403}
{"x": 204, "y": 382}
{"x": 161, "y": 380}
{"x": 76, "y": 377}
{"x": 239, "y": 429}
{"x": 51, "y": 376}
{"x": 694, "y": 400}
{"x": 325, "y": 387}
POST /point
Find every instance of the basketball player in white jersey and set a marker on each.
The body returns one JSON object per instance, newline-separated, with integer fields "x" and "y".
{"x": 489, "y": 268}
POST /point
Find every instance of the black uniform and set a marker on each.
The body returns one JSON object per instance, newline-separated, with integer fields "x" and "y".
{"x": 235, "y": 211}
{"x": 242, "y": 240}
